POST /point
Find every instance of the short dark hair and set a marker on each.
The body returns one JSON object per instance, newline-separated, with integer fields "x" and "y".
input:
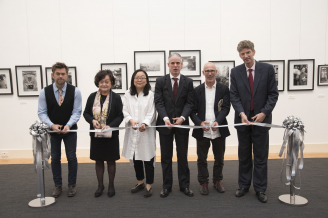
{"x": 59, "y": 65}
{"x": 133, "y": 89}
{"x": 102, "y": 74}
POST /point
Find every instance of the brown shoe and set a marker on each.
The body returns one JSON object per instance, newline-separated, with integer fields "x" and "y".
{"x": 71, "y": 191}
{"x": 219, "y": 187}
{"x": 57, "y": 191}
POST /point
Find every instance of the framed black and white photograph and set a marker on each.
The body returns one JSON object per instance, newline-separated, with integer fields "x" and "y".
{"x": 6, "y": 84}
{"x": 323, "y": 75}
{"x": 191, "y": 64}
{"x": 72, "y": 79}
{"x": 300, "y": 75}
{"x": 29, "y": 80}
{"x": 196, "y": 83}
{"x": 279, "y": 70}
{"x": 152, "y": 82}
{"x": 153, "y": 62}
{"x": 120, "y": 72}
{"x": 224, "y": 70}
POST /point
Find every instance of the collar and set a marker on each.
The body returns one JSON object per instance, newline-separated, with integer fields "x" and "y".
{"x": 56, "y": 88}
{"x": 214, "y": 86}
{"x": 171, "y": 77}
{"x": 253, "y": 67}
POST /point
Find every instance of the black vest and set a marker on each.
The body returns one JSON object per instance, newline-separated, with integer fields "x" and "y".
{"x": 60, "y": 114}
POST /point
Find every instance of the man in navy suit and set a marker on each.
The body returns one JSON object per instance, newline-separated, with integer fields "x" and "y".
{"x": 211, "y": 106}
{"x": 253, "y": 94}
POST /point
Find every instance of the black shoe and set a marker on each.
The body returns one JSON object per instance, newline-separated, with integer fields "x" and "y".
{"x": 137, "y": 188}
{"x": 241, "y": 192}
{"x": 148, "y": 193}
{"x": 204, "y": 189}
{"x": 111, "y": 194}
{"x": 262, "y": 197}
{"x": 99, "y": 193}
{"x": 165, "y": 193}
{"x": 219, "y": 187}
{"x": 187, "y": 191}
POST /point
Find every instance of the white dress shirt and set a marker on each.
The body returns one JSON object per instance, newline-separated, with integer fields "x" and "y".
{"x": 253, "y": 70}
{"x": 209, "y": 111}
{"x": 141, "y": 109}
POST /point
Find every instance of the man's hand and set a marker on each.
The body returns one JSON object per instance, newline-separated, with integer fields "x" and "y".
{"x": 105, "y": 127}
{"x": 56, "y": 127}
{"x": 258, "y": 118}
{"x": 64, "y": 131}
{"x": 133, "y": 124}
{"x": 178, "y": 120}
{"x": 142, "y": 128}
{"x": 215, "y": 124}
{"x": 95, "y": 124}
{"x": 168, "y": 123}
{"x": 244, "y": 118}
{"x": 204, "y": 124}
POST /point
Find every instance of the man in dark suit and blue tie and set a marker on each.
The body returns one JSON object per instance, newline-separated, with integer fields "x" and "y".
{"x": 174, "y": 102}
{"x": 253, "y": 95}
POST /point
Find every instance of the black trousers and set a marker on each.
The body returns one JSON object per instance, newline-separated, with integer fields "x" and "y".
{"x": 149, "y": 168}
{"x": 166, "y": 142}
{"x": 256, "y": 139}
{"x": 218, "y": 147}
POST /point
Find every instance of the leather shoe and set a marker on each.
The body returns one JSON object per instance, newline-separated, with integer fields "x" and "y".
{"x": 219, "y": 187}
{"x": 241, "y": 192}
{"x": 165, "y": 193}
{"x": 99, "y": 193}
{"x": 111, "y": 194}
{"x": 204, "y": 189}
{"x": 137, "y": 188}
{"x": 187, "y": 191}
{"x": 148, "y": 193}
{"x": 57, "y": 191}
{"x": 262, "y": 197}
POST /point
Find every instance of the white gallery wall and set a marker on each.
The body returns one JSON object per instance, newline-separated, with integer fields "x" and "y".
{"x": 85, "y": 33}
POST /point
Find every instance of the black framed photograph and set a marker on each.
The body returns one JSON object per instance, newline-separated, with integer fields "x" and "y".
{"x": 29, "y": 80}
{"x": 224, "y": 70}
{"x": 196, "y": 83}
{"x": 300, "y": 75}
{"x": 120, "y": 72}
{"x": 152, "y": 82}
{"x": 279, "y": 70}
{"x": 72, "y": 78}
{"x": 323, "y": 75}
{"x": 191, "y": 62}
{"x": 153, "y": 62}
{"x": 6, "y": 84}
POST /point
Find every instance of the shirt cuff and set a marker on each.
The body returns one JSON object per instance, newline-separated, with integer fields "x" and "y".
{"x": 127, "y": 119}
{"x": 184, "y": 119}
{"x": 165, "y": 118}
{"x": 241, "y": 113}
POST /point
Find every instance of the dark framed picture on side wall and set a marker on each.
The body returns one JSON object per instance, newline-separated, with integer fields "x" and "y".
{"x": 153, "y": 62}
{"x": 224, "y": 70}
{"x": 29, "y": 80}
{"x": 152, "y": 82}
{"x": 279, "y": 70}
{"x": 6, "y": 84}
{"x": 72, "y": 78}
{"x": 323, "y": 75}
{"x": 191, "y": 66}
{"x": 120, "y": 73}
{"x": 196, "y": 83}
{"x": 300, "y": 75}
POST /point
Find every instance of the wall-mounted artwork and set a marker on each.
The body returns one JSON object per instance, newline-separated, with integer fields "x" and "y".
{"x": 191, "y": 62}
{"x": 6, "y": 84}
{"x": 279, "y": 70}
{"x": 120, "y": 72}
{"x": 323, "y": 75}
{"x": 224, "y": 70}
{"x": 72, "y": 78}
{"x": 300, "y": 75}
{"x": 153, "y": 62}
{"x": 196, "y": 83}
{"x": 152, "y": 82}
{"x": 29, "y": 80}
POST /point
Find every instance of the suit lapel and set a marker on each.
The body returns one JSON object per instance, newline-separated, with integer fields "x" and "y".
{"x": 258, "y": 73}
{"x": 181, "y": 84}
{"x": 169, "y": 86}
{"x": 243, "y": 76}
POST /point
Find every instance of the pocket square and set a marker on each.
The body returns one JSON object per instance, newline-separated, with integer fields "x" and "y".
{"x": 220, "y": 104}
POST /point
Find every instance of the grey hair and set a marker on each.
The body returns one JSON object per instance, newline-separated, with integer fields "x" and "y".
{"x": 174, "y": 54}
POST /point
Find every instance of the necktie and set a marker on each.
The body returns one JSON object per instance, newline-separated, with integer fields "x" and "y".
{"x": 61, "y": 99}
{"x": 251, "y": 85}
{"x": 175, "y": 88}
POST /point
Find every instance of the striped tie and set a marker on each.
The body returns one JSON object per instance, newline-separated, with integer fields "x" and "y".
{"x": 61, "y": 99}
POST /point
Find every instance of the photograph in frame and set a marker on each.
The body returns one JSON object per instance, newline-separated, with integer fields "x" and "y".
{"x": 6, "y": 84}
{"x": 224, "y": 70}
{"x": 196, "y": 83}
{"x": 29, "y": 80}
{"x": 72, "y": 79}
{"x": 152, "y": 82}
{"x": 300, "y": 75}
{"x": 120, "y": 73}
{"x": 323, "y": 75}
{"x": 191, "y": 62}
{"x": 153, "y": 62}
{"x": 279, "y": 70}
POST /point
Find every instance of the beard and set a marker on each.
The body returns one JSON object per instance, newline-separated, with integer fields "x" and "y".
{"x": 60, "y": 82}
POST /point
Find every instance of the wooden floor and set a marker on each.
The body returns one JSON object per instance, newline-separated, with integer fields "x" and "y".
{"x": 158, "y": 158}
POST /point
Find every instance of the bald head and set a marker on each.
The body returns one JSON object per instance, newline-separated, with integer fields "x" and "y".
{"x": 209, "y": 64}
{"x": 209, "y": 71}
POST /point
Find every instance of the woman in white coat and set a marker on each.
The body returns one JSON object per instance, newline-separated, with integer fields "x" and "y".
{"x": 139, "y": 141}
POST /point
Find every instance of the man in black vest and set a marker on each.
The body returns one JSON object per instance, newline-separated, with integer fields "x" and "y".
{"x": 60, "y": 106}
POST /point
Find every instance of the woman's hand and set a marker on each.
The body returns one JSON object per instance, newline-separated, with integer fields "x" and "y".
{"x": 133, "y": 124}
{"x": 142, "y": 128}
{"x": 95, "y": 124}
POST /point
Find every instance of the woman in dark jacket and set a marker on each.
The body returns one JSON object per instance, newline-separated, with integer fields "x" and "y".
{"x": 104, "y": 110}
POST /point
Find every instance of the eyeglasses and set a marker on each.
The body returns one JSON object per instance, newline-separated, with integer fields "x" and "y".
{"x": 209, "y": 71}
{"x": 139, "y": 78}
